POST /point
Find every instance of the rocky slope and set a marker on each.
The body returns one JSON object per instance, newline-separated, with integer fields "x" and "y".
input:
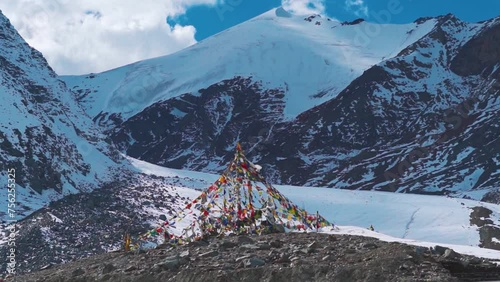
{"x": 86, "y": 224}
{"x": 278, "y": 257}
{"x": 412, "y": 109}
{"x": 45, "y": 136}
{"x": 48, "y": 144}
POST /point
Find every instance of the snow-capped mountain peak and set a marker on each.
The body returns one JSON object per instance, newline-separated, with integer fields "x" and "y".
{"x": 355, "y": 105}
{"x": 313, "y": 58}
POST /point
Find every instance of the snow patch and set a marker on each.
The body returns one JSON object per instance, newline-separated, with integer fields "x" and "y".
{"x": 425, "y": 218}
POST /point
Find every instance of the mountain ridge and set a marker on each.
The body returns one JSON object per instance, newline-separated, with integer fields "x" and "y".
{"x": 279, "y": 257}
{"x": 45, "y": 136}
{"x": 368, "y": 125}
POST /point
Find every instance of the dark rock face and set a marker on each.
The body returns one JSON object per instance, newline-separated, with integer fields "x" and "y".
{"x": 201, "y": 129}
{"x": 480, "y": 54}
{"x": 37, "y": 166}
{"x": 489, "y": 231}
{"x": 332, "y": 258}
{"x": 355, "y": 22}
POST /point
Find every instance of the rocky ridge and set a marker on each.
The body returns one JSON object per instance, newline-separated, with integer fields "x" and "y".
{"x": 277, "y": 257}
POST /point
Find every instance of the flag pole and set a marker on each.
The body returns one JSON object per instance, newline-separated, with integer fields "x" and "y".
{"x": 317, "y": 221}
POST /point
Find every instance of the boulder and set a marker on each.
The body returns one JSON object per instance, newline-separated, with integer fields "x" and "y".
{"x": 450, "y": 254}
{"x": 421, "y": 250}
{"x": 254, "y": 262}
{"x": 438, "y": 250}
{"x": 313, "y": 245}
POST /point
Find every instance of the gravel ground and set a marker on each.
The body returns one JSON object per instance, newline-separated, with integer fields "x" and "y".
{"x": 277, "y": 257}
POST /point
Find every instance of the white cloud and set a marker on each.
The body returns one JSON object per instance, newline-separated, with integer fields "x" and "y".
{"x": 358, "y": 7}
{"x": 304, "y": 7}
{"x": 82, "y": 36}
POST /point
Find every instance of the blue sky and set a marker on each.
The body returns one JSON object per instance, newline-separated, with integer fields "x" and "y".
{"x": 84, "y": 36}
{"x": 211, "y": 20}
